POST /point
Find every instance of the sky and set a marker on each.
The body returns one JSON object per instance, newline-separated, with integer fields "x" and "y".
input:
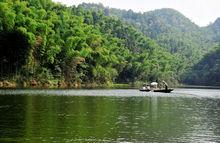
{"x": 201, "y": 12}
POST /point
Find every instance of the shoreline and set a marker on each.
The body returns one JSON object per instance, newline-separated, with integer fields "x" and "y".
{"x": 7, "y": 84}
{"x": 199, "y": 86}
{"x": 32, "y": 84}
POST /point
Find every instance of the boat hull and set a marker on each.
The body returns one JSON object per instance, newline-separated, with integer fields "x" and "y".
{"x": 157, "y": 90}
{"x": 145, "y": 90}
{"x": 163, "y": 90}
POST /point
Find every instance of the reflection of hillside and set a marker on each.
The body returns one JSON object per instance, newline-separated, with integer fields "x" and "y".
{"x": 98, "y": 119}
{"x": 208, "y": 125}
{"x": 12, "y": 118}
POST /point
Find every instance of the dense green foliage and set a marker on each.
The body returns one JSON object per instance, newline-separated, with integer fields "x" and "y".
{"x": 207, "y": 71}
{"x": 46, "y": 41}
{"x": 178, "y": 35}
{"x": 169, "y": 28}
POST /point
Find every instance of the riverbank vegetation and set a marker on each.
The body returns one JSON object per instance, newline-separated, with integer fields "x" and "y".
{"x": 46, "y": 44}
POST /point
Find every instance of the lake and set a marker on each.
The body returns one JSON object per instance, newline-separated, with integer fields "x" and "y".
{"x": 122, "y": 115}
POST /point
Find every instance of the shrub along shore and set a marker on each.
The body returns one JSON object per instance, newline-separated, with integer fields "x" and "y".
{"x": 6, "y": 84}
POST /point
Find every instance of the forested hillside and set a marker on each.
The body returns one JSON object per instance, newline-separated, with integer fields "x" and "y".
{"x": 43, "y": 43}
{"x": 48, "y": 44}
{"x": 207, "y": 71}
{"x": 212, "y": 32}
{"x": 169, "y": 28}
{"x": 176, "y": 33}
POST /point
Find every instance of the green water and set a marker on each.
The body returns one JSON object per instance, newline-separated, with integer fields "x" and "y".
{"x": 109, "y": 116}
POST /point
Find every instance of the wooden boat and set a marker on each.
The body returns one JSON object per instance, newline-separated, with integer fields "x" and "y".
{"x": 146, "y": 90}
{"x": 163, "y": 90}
{"x": 157, "y": 90}
{"x": 154, "y": 88}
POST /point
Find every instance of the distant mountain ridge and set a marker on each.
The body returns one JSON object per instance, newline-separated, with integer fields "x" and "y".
{"x": 168, "y": 27}
{"x": 216, "y": 24}
{"x": 172, "y": 18}
{"x": 213, "y": 31}
{"x": 156, "y": 22}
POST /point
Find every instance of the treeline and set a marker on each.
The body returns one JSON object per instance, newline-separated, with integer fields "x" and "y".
{"x": 46, "y": 43}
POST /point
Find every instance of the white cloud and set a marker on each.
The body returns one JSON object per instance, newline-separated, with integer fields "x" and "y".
{"x": 202, "y": 12}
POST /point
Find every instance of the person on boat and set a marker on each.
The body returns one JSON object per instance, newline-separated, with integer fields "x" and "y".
{"x": 148, "y": 87}
{"x": 166, "y": 85}
{"x": 144, "y": 86}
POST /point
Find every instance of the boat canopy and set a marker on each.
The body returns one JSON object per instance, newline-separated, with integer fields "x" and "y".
{"x": 153, "y": 83}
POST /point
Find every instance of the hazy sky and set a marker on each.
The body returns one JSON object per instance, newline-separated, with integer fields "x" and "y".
{"x": 201, "y": 12}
